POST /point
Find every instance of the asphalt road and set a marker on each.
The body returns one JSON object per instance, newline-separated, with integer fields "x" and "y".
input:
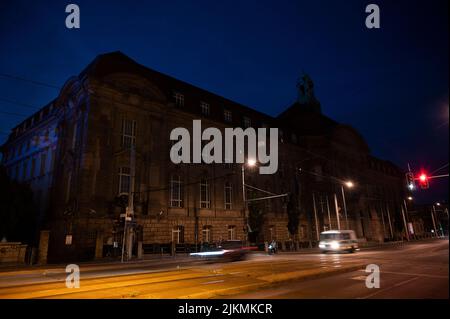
{"x": 416, "y": 270}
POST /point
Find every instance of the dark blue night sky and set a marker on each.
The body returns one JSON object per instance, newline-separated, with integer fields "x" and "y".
{"x": 391, "y": 84}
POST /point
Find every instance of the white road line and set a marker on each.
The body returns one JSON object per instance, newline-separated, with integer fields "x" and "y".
{"x": 389, "y": 288}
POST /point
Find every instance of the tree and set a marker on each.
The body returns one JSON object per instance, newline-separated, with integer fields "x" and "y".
{"x": 18, "y": 213}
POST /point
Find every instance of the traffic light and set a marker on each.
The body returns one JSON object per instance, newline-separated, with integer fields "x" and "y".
{"x": 410, "y": 181}
{"x": 423, "y": 181}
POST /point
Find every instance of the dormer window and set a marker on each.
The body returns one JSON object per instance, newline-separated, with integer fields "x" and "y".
{"x": 247, "y": 122}
{"x": 178, "y": 99}
{"x": 205, "y": 108}
{"x": 227, "y": 116}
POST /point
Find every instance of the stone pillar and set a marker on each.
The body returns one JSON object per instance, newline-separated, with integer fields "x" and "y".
{"x": 43, "y": 247}
{"x": 139, "y": 250}
{"x": 99, "y": 245}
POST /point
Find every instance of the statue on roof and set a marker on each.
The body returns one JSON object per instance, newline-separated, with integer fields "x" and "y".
{"x": 306, "y": 97}
{"x": 305, "y": 86}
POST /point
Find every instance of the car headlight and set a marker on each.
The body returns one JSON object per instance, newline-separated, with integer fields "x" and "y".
{"x": 322, "y": 244}
{"x": 334, "y": 245}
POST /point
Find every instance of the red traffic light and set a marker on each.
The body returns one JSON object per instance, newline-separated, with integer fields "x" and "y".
{"x": 423, "y": 181}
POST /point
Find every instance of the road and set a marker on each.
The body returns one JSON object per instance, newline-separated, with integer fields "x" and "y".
{"x": 414, "y": 270}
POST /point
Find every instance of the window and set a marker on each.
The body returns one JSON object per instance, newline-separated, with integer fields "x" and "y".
{"x": 205, "y": 108}
{"x": 47, "y": 133}
{"x": 178, "y": 99}
{"x": 247, "y": 122}
{"x": 204, "y": 194}
{"x": 69, "y": 182}
{"x": 43, "y": 160}
{"x": 227, "y": 116}
{"x": 28, "y": 145}
{"x": 25, "y": 168}
{"x": 20, "y": 149}
{"x": 231, "y": 232}
{"x": 33, "y": 167}
{"x": 207, "y": 234}
{"x": 124, "y": 180}
{"x": 128, "y": 133}
{"x": 272, "y": 232}
{"x": 178, "y": 234}
{"x": 176, "y": 191}
{"x": 228, "y": 195}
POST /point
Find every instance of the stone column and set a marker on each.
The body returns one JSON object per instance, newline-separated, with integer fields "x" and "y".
{"x": 99, "y": 245}
{"x": 139, "y": 250}
{"x": 43, "y": 247}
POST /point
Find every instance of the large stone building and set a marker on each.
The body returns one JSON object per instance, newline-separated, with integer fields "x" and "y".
{"x": 80, "y": 151}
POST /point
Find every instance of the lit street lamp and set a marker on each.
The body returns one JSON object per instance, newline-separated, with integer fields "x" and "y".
{"x": 349, "y": 184}
{"x": 250, "y": 163}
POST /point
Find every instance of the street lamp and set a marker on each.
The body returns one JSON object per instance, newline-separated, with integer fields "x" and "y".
{"x": 349, "y": 184}
{"x": 410, "y": 198}
{"x": 250, "y": 163}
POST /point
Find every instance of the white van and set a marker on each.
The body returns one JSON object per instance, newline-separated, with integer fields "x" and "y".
{"x": 338, "y": 240}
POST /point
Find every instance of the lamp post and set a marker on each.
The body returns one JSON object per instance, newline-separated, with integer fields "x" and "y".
{"x": 349, "y": 184}
{"x": 250, "y": 163}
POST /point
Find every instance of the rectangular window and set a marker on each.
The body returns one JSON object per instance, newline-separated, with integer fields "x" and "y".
{"x": 228, "y": 195}
{"x": 176, "y": 191}
{"x": 231, "y": 232}
{"x": 128, "y": 133}
{"x": 227, "y": 116}
{"x": 124, "y": 180}
{"x": 247, "y": 122}
{"x": 205, "y": 108}
{"x": 178, "y": 234}
{"x": 204, "y": 194}
{"x": 207, "y": 234}
{"x": 178, "y": 99}
{"x": 33, "y": 167}
{"x": 43, "y": 162}
{"x": 24, "y": 172}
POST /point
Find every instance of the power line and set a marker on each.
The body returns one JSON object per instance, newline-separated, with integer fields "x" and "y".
{"x": 13, "y": 114}
{"x": 436, "y": 170}
{"x": 19, "y": 103}
{"x": 29, "y": 81}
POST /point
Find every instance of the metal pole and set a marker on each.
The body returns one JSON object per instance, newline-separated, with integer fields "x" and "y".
{"x": 407, "y": 217}
{"x": 345, "y": 206}
{"x": 337, "y": 211}
{"x": 389, "y": 220}
{"x": 404, "y": 223}
{"x": 244, "y": 202}
{"x": 329, "y": 214}
{"x": 434, "y": 221}
{"x": 315, "y": 217}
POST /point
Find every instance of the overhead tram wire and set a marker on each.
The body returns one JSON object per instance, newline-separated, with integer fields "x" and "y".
{"x": 356, "y": 171}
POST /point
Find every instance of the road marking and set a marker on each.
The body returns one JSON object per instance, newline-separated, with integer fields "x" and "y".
{"x": 212, "y": 282}
{"x": 389, "y": 288}
{"x": 359, "y": 278}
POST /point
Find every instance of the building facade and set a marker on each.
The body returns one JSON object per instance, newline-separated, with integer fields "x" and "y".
{"x": 109, "y": 128}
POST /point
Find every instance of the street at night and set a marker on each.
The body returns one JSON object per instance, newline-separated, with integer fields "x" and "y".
{"x": 408, "y": 270}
